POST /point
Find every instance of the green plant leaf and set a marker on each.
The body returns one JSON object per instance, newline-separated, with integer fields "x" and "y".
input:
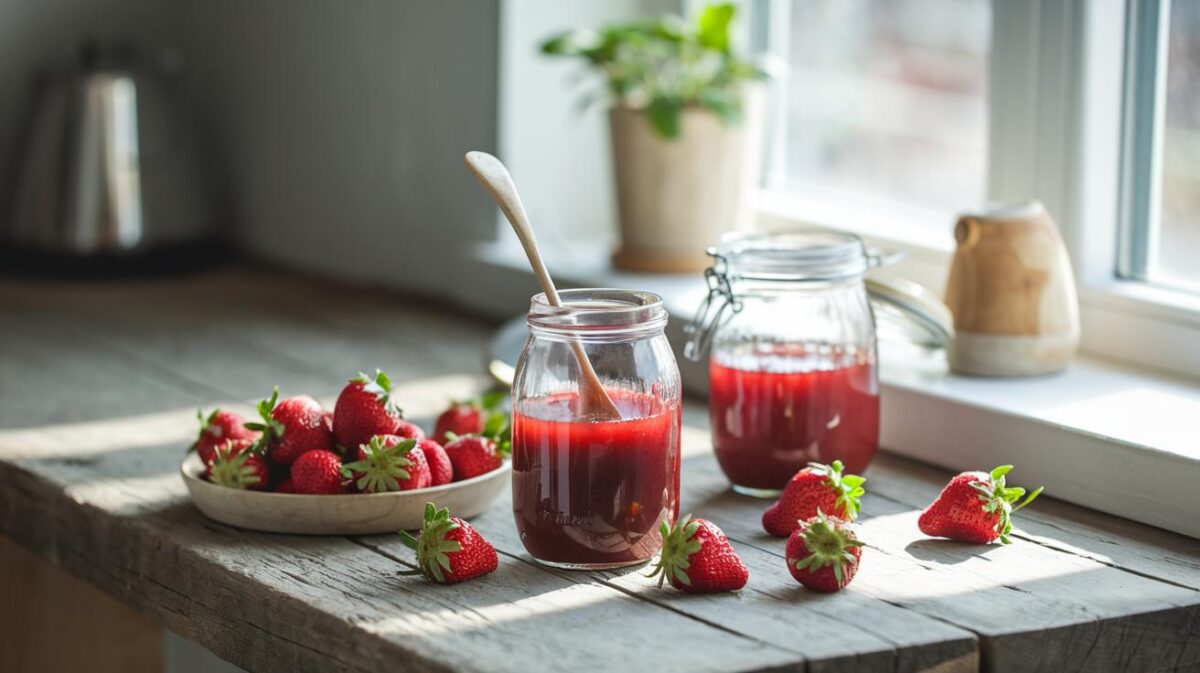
{"x": 664, "y": 115}
{"x": 713, "y": 26}
{"x": 727, "y": 105}
{"x": 493, "y": 399}
{"x": 664, "y": 65}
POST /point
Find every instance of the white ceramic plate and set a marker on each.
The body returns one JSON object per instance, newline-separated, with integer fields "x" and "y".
{"x": 354, "y": 514}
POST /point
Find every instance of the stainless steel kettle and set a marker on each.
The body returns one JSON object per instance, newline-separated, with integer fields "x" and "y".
{"x": 110, "y": 165}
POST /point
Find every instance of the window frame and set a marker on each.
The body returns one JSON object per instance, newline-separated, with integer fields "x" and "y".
{"x": 1062, "y": 125}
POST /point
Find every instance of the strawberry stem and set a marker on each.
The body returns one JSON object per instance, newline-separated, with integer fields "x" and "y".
{"x": 678, "y": 546}
{"x": 380, "y": 385}
{"x": 383, "y": 467}
{"x": 230, "y": 469}
{"x": 1029, "y": 498}
{"x": 849, "y": 487}
{"x": 997, "y": 497}
{"x": 271, "y": 429}
{"x": 827, "y": 546}
{"x": 431, "y": 545}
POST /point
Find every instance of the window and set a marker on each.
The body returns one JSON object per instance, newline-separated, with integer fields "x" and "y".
{"x": 885, "y": 100}
{"x": 898, "y": 114}
{"x": 1162, "y": 241}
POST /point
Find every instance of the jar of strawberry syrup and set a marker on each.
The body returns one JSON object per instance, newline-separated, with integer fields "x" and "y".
{"x": 792, "y": 364}
{"x": 591, "y": 493}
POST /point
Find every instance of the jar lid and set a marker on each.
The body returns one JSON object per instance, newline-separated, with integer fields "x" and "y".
{"x": 906, "y": 312}
{"x": 811, "y": 255}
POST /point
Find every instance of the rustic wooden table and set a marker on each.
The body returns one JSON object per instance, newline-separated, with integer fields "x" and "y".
{"x": 98, "y": 391}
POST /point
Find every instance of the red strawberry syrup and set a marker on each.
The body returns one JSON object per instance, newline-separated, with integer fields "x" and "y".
{"x": 772, "y": 413}
{"x": 591, "y": 494}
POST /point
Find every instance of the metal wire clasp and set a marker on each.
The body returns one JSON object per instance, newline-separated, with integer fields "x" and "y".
{"x": 712, "y": 312}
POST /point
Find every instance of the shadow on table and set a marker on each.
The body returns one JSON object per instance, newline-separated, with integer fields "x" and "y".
{"x": 945, "y": 552}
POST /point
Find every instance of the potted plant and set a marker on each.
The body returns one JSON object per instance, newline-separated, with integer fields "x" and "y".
{"x": 686, "y": 120}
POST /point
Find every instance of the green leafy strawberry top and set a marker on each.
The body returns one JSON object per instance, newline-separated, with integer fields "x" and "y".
{"x": 383, "y": 467}
{"x": 999, "y": 498}
{"x": 498, "y": 428}
{"x": 432, "y": 546}
{"x": 849, "y": 487}
{"x": 205, "y": 421}
{"x": 270, "y": 428}
{"x": 230, "y": 469}
{"x": 380, "y": 386}
{"x": 827, "y": 546}
{"x": 679, "y": 543}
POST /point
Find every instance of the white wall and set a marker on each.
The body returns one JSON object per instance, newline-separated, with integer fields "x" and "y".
{"x": 340, "y": 129}
{"x": 336, "y": 131}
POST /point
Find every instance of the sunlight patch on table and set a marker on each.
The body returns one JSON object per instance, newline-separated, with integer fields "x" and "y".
{"x": 529, "y": 608}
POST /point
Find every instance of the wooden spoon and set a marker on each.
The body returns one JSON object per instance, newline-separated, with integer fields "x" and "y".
{"x": 594, "y": 402}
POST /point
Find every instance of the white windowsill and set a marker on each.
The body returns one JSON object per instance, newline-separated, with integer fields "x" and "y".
{"x": 1100, "y": 435}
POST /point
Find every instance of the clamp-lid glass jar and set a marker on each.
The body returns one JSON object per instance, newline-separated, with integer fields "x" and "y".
{"x": 591, "y": 493}
{"x": 792, "y": 369}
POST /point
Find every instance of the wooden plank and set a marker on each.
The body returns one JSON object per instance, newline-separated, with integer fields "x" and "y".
{"x": 1033, "y": 607}
{"x": 296, "y": 338}
{"x": 1070, "y": 595}
{"x": 119, "y": 517}
{"x": 46, "y": 609}
{"x": 277, "y": 603}
{"x": 770, "y": 615}
{"x": 829, "y": 632}
{"x": 1121, "y": 543}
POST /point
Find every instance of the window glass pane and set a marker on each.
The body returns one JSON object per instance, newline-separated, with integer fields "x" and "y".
{"x": 888, "y": 98}
{"x": 1178, "y": 246}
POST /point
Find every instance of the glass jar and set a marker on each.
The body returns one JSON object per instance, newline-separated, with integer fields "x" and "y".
{"x": 591, "y": 493}
{"x": 792, "y": 369}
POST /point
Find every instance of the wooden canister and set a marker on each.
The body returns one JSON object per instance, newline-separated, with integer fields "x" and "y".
{"x": 1012, "y": 294}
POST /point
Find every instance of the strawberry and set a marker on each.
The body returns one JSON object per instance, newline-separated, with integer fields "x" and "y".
{"x": 236, "y": 465}
{"x": 318, "y": 472}
{"x": 975, "y": 507}
{"x": 467, "y": 417}
{"x": 291, "y": 427}
{"x": 364, "y": 409}
{"x": 816, "y": 488}
{"x": 408, "y": 430}
{"x": 697, "y": 558}
{"x": 215, "y": 429}
{"x": 285, "y": 486}
{"x": 388, "y": 463}
{"x": 448, "y": 549}
{"x": 823, "y": 553}
{"x": 473, "y": 455}
{"x": 440, "y": 468}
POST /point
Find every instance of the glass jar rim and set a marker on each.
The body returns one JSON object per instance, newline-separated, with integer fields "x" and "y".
{"x": 801, "y": 255}
{"x": 599, "y": 311}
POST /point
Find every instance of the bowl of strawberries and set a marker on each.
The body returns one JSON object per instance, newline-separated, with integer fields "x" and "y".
{"x": 360, "y": 469}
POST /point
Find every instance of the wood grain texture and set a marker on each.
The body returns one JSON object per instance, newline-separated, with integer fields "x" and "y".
{"x": 89, "y": 469}
{"x": 1031, "y": 606}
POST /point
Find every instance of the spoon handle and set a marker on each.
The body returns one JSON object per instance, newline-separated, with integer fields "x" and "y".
{"x": 494, "y": 177}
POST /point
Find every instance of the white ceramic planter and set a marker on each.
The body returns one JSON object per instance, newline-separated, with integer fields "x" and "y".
{"x": 676, "y": 197}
